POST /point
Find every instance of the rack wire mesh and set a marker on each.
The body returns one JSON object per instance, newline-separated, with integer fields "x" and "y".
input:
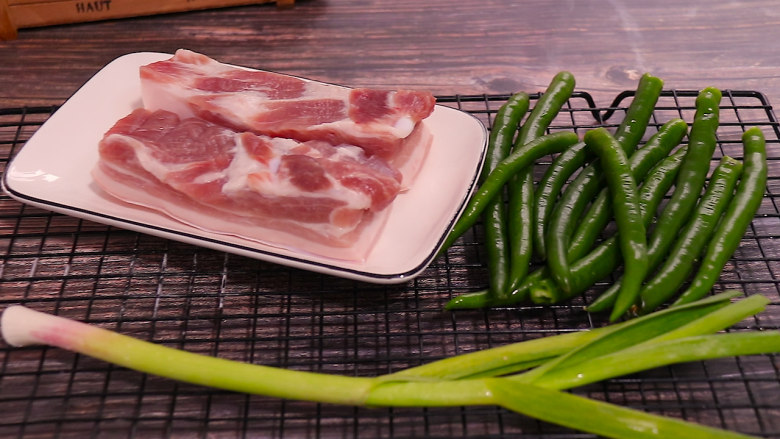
{"x": 233, "y": 307}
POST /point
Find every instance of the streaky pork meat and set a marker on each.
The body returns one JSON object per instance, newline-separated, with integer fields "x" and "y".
{"x": 379, "y": 121}
{"x": 240, "y": 183}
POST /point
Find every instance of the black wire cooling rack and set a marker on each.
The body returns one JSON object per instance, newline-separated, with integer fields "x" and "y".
{"x": 242, "y": 309}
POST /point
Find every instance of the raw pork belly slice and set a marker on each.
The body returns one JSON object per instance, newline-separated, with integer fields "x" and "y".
{"x": 223, "y": 181}
{"x": 379, "y": 121}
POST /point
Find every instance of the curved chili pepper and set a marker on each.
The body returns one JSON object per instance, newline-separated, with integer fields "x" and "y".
{"x": 521, "y": 190}
{"x": 585, "y": 186}
{"x": 631, "y": 232}
{"x": 692, "y": 240}
{"x": 519, "y": 213}
{"x": 550, "y": 185}
{"x": 598, "y": 215}
{"x": 692, "y": 175}
{"x": 570, "y": 206}
{"x": 547, "y": 107}
{"x": 503, "y": 131}
{"x": 596, "y": 265}
{"x": 605, "y": 258}
{"x": 502, "y": 135}
{"x": 689, "y": 184}
{"x": 634, "y": 124}
{"x": 494, "y": 183}
{"x": 736, "y": 219}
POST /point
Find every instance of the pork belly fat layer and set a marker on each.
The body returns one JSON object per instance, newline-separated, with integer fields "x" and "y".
{"x": 310, "y": 188}
{"x": 192, "y": 84}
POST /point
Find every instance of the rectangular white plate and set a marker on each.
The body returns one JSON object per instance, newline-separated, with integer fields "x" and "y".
{"x": 52, "y": 171}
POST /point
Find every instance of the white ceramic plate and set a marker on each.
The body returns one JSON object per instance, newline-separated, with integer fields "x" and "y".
{"x": 52, "y": 171}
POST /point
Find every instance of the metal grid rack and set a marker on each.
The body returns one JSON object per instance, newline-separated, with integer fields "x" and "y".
{"x": 237, "y": 308}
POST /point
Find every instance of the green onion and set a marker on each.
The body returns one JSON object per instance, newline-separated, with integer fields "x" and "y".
{"x": 679, "y": 334}
{"x": 500, "y": 360}
{"x": 597, "y": 417}
{"x": 22, "y": 326}
{"x": 633, "y": 332}
{"x": 659, "y": 354}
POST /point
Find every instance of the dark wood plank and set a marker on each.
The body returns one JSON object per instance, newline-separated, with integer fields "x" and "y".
{"x": 446, "y": 47}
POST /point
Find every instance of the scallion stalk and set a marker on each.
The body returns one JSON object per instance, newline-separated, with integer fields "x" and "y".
{"x": 677, "y": 334}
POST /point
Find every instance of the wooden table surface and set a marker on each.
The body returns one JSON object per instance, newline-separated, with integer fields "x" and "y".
{"x": 492, "y": 46}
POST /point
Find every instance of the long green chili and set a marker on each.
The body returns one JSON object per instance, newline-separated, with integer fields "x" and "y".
{"x": 596, "y": 265}
{"x": 692, "y": 175}
{"x": 586, "y": 185}
{"x": 521, "y": 189}
{"x": 693, "y": 238}
{"x": 502, "y": 135}
{"x": 605, "y": 258}
{"x": 628, "y": 215}
{"x": 642, "y": 161}
{"x": 492, "y": 186}
{"x": 736, "y": 219}
{"x": 689, "y": 184}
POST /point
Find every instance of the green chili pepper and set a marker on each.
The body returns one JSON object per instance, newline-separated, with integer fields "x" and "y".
{"x": 550, "y": 185}
{"x": 628, "y": 216}
{"x": 503, "y": 131}
{"x": 585, "y": 186}
{"x": 692, "y": 175}
{"x": 605, "y": 258}
{"x": 657, "y": 148}
{"x": 689, "y": 184}
{"x": 570, "y": 206}
{"x": 736, "y": 219}
{"x": 502, "y": 135}
{"x": 631, "y": 130}
{"x": 520, "y": 213}
{"x": 521, "y": 190}
{"x": 471, "y": 300}
{"x": 492, "y": 186}
{"x": 545, "y": 110}
{"x": 596, "y": 265}
{"x": 694, "y": 237}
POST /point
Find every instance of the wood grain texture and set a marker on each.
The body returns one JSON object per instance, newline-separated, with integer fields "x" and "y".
{"x": 493, "y": 46}
{"x": 36, "y": 13}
